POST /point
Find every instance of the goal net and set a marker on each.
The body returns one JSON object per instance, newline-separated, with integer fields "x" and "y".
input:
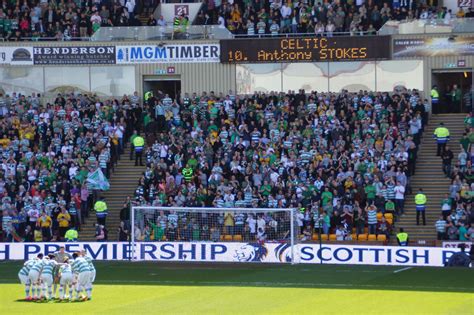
{"x": 213, "y": 234}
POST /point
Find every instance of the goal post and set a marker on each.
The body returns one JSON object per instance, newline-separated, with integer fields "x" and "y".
{"x": 204, "y": 234}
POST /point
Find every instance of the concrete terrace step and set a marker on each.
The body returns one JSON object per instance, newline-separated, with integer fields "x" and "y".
{"x": 123, "y": 182}
{"x": 429, "y": 176}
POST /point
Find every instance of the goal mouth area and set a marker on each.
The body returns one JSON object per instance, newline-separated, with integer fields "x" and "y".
{"x": 212, "y": 234}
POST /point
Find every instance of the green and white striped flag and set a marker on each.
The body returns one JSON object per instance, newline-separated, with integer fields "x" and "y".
{"x": 97, "y": 180}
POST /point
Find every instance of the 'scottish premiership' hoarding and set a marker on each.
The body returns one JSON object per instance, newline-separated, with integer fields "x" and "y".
{"x": 305, "y": 49}
{"x": 433, "y": 47}
{"x": 242, "y": 252}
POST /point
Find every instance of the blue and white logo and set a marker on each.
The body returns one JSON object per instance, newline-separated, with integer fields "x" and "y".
{"x": 283, "y": 252}
{"x": 251, "y": 252}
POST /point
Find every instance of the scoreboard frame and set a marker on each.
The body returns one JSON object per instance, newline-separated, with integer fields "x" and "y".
{"x": 305, "y": 49}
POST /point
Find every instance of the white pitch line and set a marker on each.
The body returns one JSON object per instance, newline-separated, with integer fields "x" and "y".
{"x": 403, "y": 269}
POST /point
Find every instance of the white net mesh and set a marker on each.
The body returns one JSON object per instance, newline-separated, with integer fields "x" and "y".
{"x": 167, "y": 224}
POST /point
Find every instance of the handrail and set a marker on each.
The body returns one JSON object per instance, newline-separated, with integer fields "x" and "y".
{"x": 286, "y": 35}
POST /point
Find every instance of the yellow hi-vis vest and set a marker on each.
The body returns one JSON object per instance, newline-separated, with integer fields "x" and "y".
{"x": 434, "y": 95}
{"x": 420, "y": 199}
{"x": 402, "y": 238}
{"x": 138, "y": 142}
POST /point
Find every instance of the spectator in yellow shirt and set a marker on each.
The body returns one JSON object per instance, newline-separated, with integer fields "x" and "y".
{"x": 45, "y": 223}
{"x": 63, "y": 219}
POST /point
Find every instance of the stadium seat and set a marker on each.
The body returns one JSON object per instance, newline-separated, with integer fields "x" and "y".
{"x": 228, "y": 238}
{"x": 379, "y": 216}
{"x": 332, "y": 237}
{"x": 390, "y": 221}
{"x": 366, "y": 230}
{"x": 324, "y": 237}
{"x": 222, "y": 237}
{"x": 362, "y": 237}
{"x": 315, "y": 237}
{"x": 372, "y": 237}
{"x": 238, "y": 238}
{"x": 381, "y": 237}
{"x": 388, "y": 216}
{"x": 354, "y": 236}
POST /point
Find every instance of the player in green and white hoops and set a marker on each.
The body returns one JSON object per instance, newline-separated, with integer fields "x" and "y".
{"x": 47, "y": 276}
{"x": 92, "y": 273}
{"x": 34, "y": 276}
{"x": 24, "y": 279}
{"x": 66, "y": 278}
{"x": 81, "y": 267}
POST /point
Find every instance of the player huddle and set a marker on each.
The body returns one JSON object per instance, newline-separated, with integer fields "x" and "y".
{"x": 73, "y": 273}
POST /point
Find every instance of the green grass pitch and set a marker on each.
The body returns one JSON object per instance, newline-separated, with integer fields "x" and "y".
{"x": 164, "y": 288}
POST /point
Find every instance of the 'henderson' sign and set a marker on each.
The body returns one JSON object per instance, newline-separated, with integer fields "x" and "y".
{"x": 74, "y": 55}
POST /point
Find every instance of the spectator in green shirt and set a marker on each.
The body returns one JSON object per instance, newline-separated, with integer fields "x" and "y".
{"x": 265, "y": 189}
{"x": 462, "y": 232}
{"x": 369, "y": 192}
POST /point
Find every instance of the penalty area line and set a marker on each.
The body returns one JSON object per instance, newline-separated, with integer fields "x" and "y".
{"x": 403, "y": 269}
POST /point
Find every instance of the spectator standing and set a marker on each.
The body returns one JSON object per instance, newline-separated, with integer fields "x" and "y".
{"x": 372, "y": 218}
{"x": 400, "y": 198}
{"x": 441, "y": 228}
{"x": 447, "y": 157}
{"x": 420, "y": 201}
{"x": 100, "y": 208}
{"x": 45, "y": 223}
{"x": 441, "y": 134}
{"x": 63, "y": 219}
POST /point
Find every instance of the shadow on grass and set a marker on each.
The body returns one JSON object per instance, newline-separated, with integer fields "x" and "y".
{"x": 347, "y": 277}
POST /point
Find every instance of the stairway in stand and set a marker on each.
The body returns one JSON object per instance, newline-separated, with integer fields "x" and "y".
{"x": 123, "y": 183}
{"x": 430, "y": 177}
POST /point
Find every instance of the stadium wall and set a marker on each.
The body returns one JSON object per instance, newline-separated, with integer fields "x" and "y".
{"x": 242, "y": 252}
{"x": 220, "y": 77}
{"x": 453, "y": 62}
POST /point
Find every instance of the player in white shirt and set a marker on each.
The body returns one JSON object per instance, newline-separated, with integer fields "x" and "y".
{"x": 92, "y": 274}
{"x": 34, "y": 276}
{"x": 47, "y": 276}
{"x": 66, "y": 280}
{"x": 24, "y": 279}
{"x": 81, "y": 267}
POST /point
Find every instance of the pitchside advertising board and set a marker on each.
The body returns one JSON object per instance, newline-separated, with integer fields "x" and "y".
{"x": 305, "y": 49}
{"x": 16, "y": 56}
{"x": 242, "y": 252}
{"x": 168, "y": 53}
{"x": 74, "y": 55}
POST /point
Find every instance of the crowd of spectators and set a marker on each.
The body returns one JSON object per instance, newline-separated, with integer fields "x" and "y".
{"x": 47, "y": 151}
{"x": 343, "y": 159}
{"x": 317, "y": 17}
{"x": 456, "y": 221}
{"x": 64, "y": 20}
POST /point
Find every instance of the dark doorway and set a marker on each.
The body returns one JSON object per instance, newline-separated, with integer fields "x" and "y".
{"x": 167, "y": 85}
{"x": 454, "y": 88}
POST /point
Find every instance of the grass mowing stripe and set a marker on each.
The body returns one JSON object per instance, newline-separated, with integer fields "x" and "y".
{"x": 281, "y": 284}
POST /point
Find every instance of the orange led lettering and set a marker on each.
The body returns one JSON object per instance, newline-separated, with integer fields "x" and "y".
{"x": 323, "y": 43}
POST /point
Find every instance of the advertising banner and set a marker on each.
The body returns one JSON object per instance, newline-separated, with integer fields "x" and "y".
{"x": 90, "y": 55}
{"x": 305, "y": 49}
{"x": 241, "y": 252}
{"x": 455, "y": 244}
{"x": 433, "y": 47}
{"x": 168, "y": 53}
{"x": 16, "y": 56}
